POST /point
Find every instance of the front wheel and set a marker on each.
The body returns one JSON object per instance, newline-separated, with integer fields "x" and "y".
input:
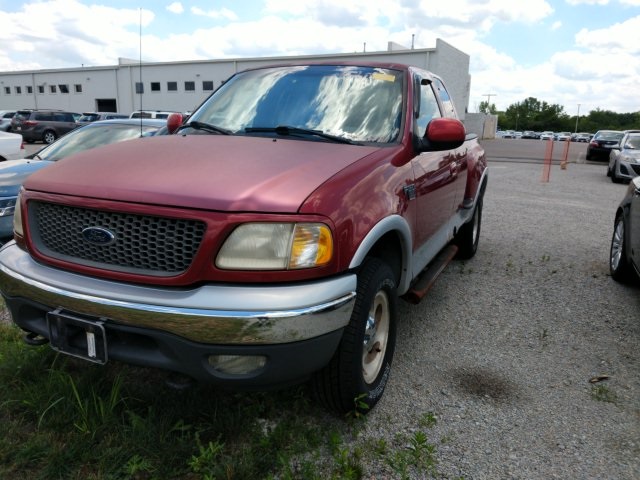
{"x": 357, "y": 375}
{"x": 618, "y": 264}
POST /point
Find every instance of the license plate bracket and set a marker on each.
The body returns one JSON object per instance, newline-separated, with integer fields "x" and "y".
{"x": 77, "y": 336}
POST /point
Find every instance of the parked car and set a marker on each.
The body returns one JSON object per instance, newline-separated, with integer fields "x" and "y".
{"x": 530, "y": 134}
{"x": 601, "y": 143}
{"x": 13, "y": 173}
{"x": 43, "y": 125}
{"x": 624, "y": 159}
{"x": 5, "y": 120}
{"x": 265, "y": 244}
{"x": 583, "y": 137}
{"x": 11, "y": 146}
{"x": 88, "y": 117}
{"x": 509, "y": 134}
{"x": 563, "y": 136}
{"x": 151, "y": 114}
{"x": 624, "y": 255}
{"x": 547, "y": 136}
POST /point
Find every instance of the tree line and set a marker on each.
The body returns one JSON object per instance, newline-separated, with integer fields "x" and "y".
{"x": 536, "y": 115}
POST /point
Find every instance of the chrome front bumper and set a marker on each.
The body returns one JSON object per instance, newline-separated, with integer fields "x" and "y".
{"x": 211, "y": 314}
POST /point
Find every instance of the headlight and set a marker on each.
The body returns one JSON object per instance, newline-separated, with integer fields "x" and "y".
{"x": 276, "y": 246}
{"x": 17, "y": 218}
{"x": 7, "y": 206}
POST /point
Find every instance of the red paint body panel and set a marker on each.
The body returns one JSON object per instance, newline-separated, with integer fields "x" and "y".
{"x": 209, "y": 172}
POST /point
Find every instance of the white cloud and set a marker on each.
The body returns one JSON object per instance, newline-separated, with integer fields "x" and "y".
{"x": 175, "y": 7}
{"x": 222, "y": 13}
{"x": 623, "y": 36}
{"x": 556, "y": 25}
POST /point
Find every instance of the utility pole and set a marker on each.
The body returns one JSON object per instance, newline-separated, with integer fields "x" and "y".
{"x": 577, "y": 118}
{"x": 489, "y": 95}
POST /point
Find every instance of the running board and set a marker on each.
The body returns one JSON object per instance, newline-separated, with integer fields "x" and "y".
{"x": 428, "y": 276}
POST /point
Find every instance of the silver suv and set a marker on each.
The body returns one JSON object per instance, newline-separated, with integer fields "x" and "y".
{"x": 43, "y": 125}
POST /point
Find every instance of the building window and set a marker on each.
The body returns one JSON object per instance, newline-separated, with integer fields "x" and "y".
{"x": 207, "y": 85}
{"x": 7, "y": 90}
{"x": 63, "y": 88}
{"x": 52, "y": 89}
{"x": 172, "y": 86}
{"x": 189, "y": 86}
{"x": 78, "y": 88}
{"x": 155, "y": 86}
{"x": 139, "y": 87}
{"x": 29, "y": 89}
{"x": 18, "y": 90}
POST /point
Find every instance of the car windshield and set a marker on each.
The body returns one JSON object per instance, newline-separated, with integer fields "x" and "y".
{"x": 88, "y": 117}
{"x": 610, "y": 136}
{"x": 633, "y": 142}
{"x": 360, "y": 104}
{"x": 92, "y": 136}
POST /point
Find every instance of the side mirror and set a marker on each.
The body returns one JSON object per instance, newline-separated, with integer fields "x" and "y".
{"x": 442, "y": 134}
{"x": 173, "y": 122}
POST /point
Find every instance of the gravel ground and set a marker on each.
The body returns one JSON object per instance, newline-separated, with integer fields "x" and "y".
{"x": 503, "y": 348}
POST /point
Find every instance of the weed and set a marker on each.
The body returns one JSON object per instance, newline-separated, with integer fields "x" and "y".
{"x": 602, "y": 393}
{"x": 137, "y": 465}
{"x": 428, "y": 420}
{"x": 93, "y": 410}
{"x": 418, "y": 455}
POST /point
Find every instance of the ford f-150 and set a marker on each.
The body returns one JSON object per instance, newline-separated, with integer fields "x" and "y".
{"x": 265, "y": 242}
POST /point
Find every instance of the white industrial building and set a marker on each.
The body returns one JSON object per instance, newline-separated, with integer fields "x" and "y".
{"x": 182, "y": 86}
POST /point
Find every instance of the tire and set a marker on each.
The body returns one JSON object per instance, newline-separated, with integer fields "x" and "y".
{"x": 468, "y": 236}
{"x": 355, "y": 378}
{"x": 49, "y": 137}
{"x": 614, "y": 176}
{"x": 618, "y": 264}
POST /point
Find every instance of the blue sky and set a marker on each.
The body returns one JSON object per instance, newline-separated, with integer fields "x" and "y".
{"x": 568, "y": 52}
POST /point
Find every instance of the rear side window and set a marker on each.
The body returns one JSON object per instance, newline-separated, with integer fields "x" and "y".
{"x": 449, "y": 111}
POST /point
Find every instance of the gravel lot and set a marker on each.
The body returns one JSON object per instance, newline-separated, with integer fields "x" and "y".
{"x": 503, "y": 348}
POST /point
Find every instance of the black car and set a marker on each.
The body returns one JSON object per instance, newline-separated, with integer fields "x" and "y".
{"x": 43, "y": 125}
{"x": 601, "y": 144}
{"x": 624, "y": 255}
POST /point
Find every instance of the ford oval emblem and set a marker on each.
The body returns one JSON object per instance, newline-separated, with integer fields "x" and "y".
{"x": 98, "y": 236}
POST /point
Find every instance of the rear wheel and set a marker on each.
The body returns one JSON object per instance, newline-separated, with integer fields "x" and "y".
{"x": 357, "y": 375}
{"x": 618, "y": 264}
{"x": 49, "y": 136}
{"x": 468, "y": 236}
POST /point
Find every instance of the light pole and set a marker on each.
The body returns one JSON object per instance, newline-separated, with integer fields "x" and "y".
{"x": 577, "y": 118}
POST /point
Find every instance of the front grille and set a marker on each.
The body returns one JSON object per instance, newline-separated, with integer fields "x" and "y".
{"x": 636, "y": 168}
{"x": 142, "y": 244}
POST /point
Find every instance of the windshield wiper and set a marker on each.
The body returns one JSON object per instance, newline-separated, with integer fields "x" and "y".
{"x": 207, "y": 127}
{"x": 288, "y": 130}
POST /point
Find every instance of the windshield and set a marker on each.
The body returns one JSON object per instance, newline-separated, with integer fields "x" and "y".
{"x": 633, "y": 142}
{"x": 361, "y": 104}
{"x": 92, "y": 136}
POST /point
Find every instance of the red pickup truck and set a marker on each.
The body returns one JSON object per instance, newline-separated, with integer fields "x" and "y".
{"x": 266, "y": 242}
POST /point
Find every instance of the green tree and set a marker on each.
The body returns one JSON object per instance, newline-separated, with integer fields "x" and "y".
{"x": 487, "y": 108}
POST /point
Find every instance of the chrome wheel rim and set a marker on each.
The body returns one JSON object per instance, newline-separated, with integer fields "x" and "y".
{"x": 617, "y": 245}
{"x": 376, "y": 335}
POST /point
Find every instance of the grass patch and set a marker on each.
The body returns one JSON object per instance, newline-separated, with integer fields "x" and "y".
{"x": 602, "y": 393}
{"x": 64, "y": 418}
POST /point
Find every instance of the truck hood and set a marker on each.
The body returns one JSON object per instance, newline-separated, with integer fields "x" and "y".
{"x": 212, "y": 172}
{"x": 13, "y": 173}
